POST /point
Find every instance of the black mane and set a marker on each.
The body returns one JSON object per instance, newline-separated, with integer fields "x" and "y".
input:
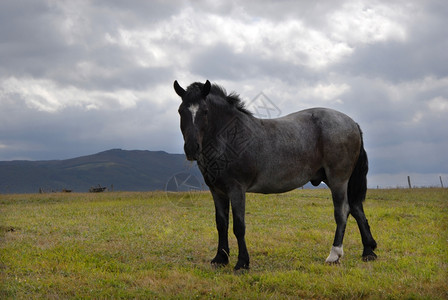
{"x": 232, "y": 99}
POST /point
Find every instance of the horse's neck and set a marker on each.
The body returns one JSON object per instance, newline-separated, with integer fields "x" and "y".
{"x": 222, "y": 120}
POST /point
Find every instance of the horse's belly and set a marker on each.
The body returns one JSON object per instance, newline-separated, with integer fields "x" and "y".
{"x": 273, "y": 185}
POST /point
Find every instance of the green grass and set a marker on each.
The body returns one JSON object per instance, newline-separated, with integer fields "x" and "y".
{"x": 153, "y": 245}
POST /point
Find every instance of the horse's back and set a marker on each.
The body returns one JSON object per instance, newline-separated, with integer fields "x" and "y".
{"x": 333, "y": 127}
{"x": 297, "y": 146}
{"x": 326, "y": 117}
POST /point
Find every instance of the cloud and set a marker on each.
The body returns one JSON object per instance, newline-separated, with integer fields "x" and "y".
{"x": 79, "y": 77}
{"x": 438, "y": 105}
{"x": 45, "y": 95}
{"x": 361, "y": 22}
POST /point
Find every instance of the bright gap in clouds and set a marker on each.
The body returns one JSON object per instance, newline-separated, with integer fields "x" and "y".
{"x": 46, "y": 96}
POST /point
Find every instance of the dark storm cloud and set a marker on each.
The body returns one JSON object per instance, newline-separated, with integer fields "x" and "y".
{"x": 220, "y": 62}
{"x": 55, "y": 39}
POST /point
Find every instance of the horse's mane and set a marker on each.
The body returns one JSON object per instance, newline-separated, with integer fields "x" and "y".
{"x": 232, "y": 99}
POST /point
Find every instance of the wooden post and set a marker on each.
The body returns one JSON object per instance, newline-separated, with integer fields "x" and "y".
{"x": 409, "y": 182}
{"x": 441, "y": 182}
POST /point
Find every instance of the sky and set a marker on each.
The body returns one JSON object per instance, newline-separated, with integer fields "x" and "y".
{"x": 80, "y": 77}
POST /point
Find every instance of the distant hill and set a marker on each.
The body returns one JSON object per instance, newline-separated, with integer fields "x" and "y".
{"x": 121, "y": 169}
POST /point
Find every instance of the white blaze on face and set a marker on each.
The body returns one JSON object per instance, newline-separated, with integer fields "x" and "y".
{"x": 193, "y": 109}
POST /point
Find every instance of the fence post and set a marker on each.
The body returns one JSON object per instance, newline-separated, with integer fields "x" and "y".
{"x": 409, "y": 182}
{"x": 441, "y": 182}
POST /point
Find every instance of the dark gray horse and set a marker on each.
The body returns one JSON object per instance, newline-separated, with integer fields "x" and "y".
{"x": 238, "y": 153}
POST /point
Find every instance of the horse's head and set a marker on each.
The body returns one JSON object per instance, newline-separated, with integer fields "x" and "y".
{"x": 193, "y": 116}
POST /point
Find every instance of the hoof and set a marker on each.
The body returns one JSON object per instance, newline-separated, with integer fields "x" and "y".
{"x": 368, "y": 254}
{"x": 333, "y": 263}
{"x": 370, "y": 257}
{"x": 219, "y": 263}
{"x": 241, "y": 267}
{"x": 220, "y": 260}
{"x": 335, "y": 254}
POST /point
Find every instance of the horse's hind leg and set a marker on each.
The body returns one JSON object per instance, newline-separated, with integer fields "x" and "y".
{"x": 368, "y": 242}
{"x": 341, "y": 212}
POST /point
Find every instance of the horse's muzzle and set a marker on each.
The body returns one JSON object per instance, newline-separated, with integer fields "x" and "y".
{"x": 191, "y": 151}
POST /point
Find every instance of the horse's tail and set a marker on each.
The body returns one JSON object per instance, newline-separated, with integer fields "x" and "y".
{"x": 357, "y": 185}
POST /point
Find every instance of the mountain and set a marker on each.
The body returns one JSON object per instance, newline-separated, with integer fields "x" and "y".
{"x": 116, "y": 169}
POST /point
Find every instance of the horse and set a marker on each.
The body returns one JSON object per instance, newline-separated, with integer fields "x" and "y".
{"x": 238, "y": 153}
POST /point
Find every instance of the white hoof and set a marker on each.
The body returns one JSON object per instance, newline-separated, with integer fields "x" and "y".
{"x": 335, "y": 254}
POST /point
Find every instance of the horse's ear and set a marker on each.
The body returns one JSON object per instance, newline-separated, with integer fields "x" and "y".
{"x": 179, "y": 90}
{"x": 206, "y": 89}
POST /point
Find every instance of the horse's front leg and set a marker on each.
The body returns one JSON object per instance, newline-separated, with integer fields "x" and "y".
{"x": 222, "y": 224}
{"x": 238, "y": 200}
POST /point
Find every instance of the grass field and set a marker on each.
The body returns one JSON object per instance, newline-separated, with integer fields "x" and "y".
{"x": 153, "y": 245}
